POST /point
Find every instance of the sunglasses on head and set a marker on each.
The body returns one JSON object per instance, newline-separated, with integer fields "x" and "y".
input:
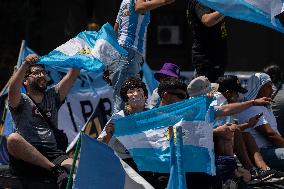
{"x": 179, "y": 95}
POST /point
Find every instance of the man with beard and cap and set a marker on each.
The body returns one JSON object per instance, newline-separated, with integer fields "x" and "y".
{"x": 265, "y": 131}
{"x": 33, "y": 148}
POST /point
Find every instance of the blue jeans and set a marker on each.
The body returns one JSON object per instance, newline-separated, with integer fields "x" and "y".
{"x": 274, "y": 157}
{"x": 124, "y": 69}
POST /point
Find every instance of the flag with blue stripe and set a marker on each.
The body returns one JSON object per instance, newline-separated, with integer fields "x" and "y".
{"x": 100, "y": 167}
{"x": 262, "y": 12}
{"x": 89, "y": 50}
{"x": 146, "y": 136}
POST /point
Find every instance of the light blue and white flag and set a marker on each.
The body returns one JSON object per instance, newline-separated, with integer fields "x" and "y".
{"x": 89, "y": 50}
{"x": 99, "y": 167}
{"x": 262, "y": 12}
{"x": 146, "y": 136}
{"x": 88, "y": 91}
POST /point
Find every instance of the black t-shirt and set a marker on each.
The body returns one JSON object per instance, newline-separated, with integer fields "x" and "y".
{"x": 209, "y": 43}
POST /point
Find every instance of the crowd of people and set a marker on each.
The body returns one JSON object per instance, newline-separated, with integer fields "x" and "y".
{"x": 247, "y": 132}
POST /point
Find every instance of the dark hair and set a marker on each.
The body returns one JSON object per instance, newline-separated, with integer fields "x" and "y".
{"x": 130, "y": 84}
{"x": 171, "y": 84}
{"x": 274, "y": 72}
{"x": 29, "y": 71}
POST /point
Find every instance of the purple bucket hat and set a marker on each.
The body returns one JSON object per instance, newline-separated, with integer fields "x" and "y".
{"x": 168, "y": 69}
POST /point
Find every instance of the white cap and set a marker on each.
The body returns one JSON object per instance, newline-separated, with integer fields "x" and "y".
{"x": 201, "y": 86}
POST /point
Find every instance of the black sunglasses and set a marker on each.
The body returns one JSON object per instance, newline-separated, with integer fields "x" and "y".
{"x": 179, "y": 95}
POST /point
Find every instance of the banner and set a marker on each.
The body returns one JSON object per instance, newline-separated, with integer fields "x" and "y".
{"x": 146, "y": 136}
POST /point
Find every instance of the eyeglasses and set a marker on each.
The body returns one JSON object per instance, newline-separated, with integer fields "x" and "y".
{"x": 38, "y": 73}
{"x": 179, "y": 95}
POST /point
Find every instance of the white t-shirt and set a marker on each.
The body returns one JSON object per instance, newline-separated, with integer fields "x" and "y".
{"x": 220, "y": 100}
{"x": 267, "y": 118}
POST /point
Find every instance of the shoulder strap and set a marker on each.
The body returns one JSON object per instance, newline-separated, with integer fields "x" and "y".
{"x": 42, "y": 114}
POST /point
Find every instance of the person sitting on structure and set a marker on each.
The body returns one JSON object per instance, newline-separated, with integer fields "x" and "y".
{"x": 224, "y": 133}
{"x": 265, "y": 131}
{"x": 34, "y": 148}
{"x": 244, "y": 144}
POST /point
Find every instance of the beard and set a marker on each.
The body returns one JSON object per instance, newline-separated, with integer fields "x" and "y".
{"x": 36, "y": 87}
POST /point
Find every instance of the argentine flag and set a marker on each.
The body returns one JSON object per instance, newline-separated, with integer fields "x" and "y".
{"x": 262, "y": 12}
{"x": 146, "y": 136}
{"x": 99, "y": 167}
{"x": 89, "y": 50}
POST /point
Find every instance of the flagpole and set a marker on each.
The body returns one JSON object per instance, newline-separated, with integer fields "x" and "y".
{"x": 173, "y": 181}
{"x": 179, "y": 158}
{"x": 78, "y": 146}
{"x": 20, "y": 54}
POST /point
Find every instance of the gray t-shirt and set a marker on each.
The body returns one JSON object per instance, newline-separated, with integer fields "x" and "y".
{"x": 278, "y": 108}
{"x": 31, "y": 125}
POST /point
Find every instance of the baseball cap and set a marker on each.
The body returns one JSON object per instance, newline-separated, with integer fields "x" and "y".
{"x": 201, "y": 86}
{"x": 230, "y": 82}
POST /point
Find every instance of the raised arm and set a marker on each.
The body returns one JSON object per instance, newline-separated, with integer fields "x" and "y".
{"x": 18, "y": 79}
{"x": 212, "y": 19}
{"x": 67, "y": 82}
{"x": 115, "y": 28}
{"x": 235, "y": 108}
{"x": 142, "y": 6}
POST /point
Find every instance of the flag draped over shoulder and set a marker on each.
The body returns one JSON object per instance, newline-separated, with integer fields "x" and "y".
{"x": 99, "y": 167}
{"x": 146, "y": 136}
{"x": 262, "y": 12}
{"x": 89, "y": 50}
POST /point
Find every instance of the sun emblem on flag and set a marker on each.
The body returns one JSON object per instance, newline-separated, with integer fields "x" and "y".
{"x": 168, "y": 136}
{"x": 85, "y": 51}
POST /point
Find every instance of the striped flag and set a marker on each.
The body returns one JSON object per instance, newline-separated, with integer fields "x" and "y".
{"x": 146, "y": 136}
{"x": 264, "y": 12}
{"x": 99, "y": 167}
{"x": 89, "y": 50}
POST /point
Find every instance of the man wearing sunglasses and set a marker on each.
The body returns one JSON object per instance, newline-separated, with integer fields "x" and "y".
{"x": 171, "y": 90}
{"x": 33, "y": 148}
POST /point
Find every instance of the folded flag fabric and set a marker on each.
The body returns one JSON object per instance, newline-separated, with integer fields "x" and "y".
{"x": 262, "y": 12}
{"x": 146, "y": 136}
{"x": 99, "y": 167}
{"x": 89, "y": 50}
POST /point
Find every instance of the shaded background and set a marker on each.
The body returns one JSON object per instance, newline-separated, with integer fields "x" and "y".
{"x": 47, "y": 24}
